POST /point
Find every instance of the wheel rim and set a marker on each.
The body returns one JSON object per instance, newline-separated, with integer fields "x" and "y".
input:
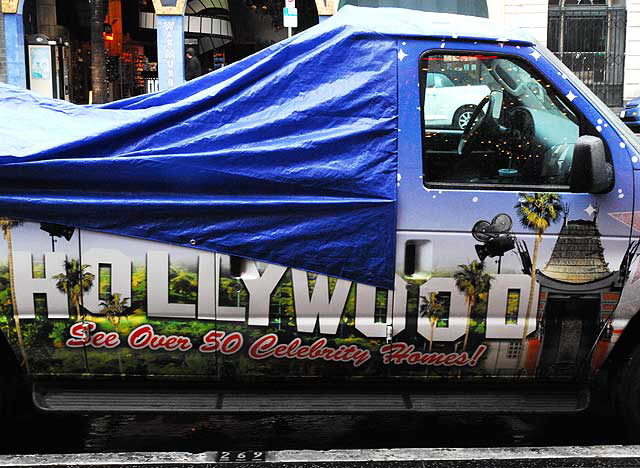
{"x": 464, "y": 118}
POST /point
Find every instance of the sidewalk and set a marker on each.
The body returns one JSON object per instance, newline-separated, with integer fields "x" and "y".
{"x": 602, "y": 456}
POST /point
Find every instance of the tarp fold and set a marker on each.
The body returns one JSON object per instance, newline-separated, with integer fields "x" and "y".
{"x": 288, "y": 156}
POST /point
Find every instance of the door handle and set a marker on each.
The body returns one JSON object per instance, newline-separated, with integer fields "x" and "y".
{"x": 239, "y": 267}
{"x": 410, "y": 258}
{"x": 418, "y": 259}
{"x": 414, "y": 255}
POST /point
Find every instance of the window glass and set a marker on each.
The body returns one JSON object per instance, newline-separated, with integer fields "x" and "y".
{"x": 438, "y": 80}
{"x": 37, "y": 266}
{"x": 513, "y": 305}
{"x": 585, "y": 3}
{"x": 40, "y": 304}
{"x": 490, "y": 121}
{"x": 513, "y": 351}
{"x": 104, "y": 281}
{"x": 380, "y": 314}
{"x": 444, "y": 298}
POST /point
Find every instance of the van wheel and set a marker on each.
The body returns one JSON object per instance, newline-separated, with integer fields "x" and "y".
{"x": 7, "y": 397}
{"x": 462, "y": 117}
{"x": 626, "y": 391}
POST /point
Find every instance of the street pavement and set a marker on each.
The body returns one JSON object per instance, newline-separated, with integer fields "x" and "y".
{"x": 34, "y": 432}
{"x": 556, "y": 457}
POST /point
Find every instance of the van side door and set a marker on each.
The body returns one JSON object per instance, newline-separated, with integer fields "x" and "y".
{"x": 523, "y": 272}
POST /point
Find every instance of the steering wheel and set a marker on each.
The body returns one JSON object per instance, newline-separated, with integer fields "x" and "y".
{"x": 477, "y": 121}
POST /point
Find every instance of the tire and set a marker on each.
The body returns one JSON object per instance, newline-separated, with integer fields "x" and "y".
{"x": 462, "y": 116}
{"x": 8, "y": 397}
{"x": 626, "y": 392}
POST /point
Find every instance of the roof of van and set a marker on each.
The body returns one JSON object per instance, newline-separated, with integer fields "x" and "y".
{"x": 403, "y": 22}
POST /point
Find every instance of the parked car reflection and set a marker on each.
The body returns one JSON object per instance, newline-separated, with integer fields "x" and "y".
{"x": 630, "y": 115}
{"x": 449, "y": 104}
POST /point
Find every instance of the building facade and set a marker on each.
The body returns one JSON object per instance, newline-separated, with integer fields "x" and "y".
{"x": 3, "y": 51}
{"x": 597, "y": 39}
{"x": 145, "y": 41}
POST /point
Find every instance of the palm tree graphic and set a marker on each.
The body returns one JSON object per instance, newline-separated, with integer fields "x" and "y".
{"x": 7, "y": 224}
{"x": 472, "y": 281}
{"x": 114, "y": 308}
{"x": 74, "y": 282}
{"x": 433, "y": 309}
{"x": 537, "y": 211}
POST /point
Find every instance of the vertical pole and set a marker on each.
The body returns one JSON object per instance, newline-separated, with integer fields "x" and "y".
{"x": 3, "y": 54}
{"x": 326, "y": 9}
{"x": 279, "y": 307}
{"x": 170, "y": 50}
{"x": 98, "y": 55}
{"x": 83, "y": 319}
{"x": 14, "y": 46}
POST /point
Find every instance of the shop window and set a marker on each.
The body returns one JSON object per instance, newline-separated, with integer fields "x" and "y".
{"x": 491, "y": 123}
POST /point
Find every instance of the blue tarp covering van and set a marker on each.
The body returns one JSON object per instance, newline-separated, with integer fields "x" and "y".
{"x": 288, "y": 156}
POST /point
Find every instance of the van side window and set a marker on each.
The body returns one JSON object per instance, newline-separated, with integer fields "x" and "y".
{"x": 489, "y": 121}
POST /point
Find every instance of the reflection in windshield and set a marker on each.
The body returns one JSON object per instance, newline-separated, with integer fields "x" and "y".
{"x": 495, "y": 122}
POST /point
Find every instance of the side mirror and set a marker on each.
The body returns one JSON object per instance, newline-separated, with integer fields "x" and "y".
{"x": 590, "y": 171}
